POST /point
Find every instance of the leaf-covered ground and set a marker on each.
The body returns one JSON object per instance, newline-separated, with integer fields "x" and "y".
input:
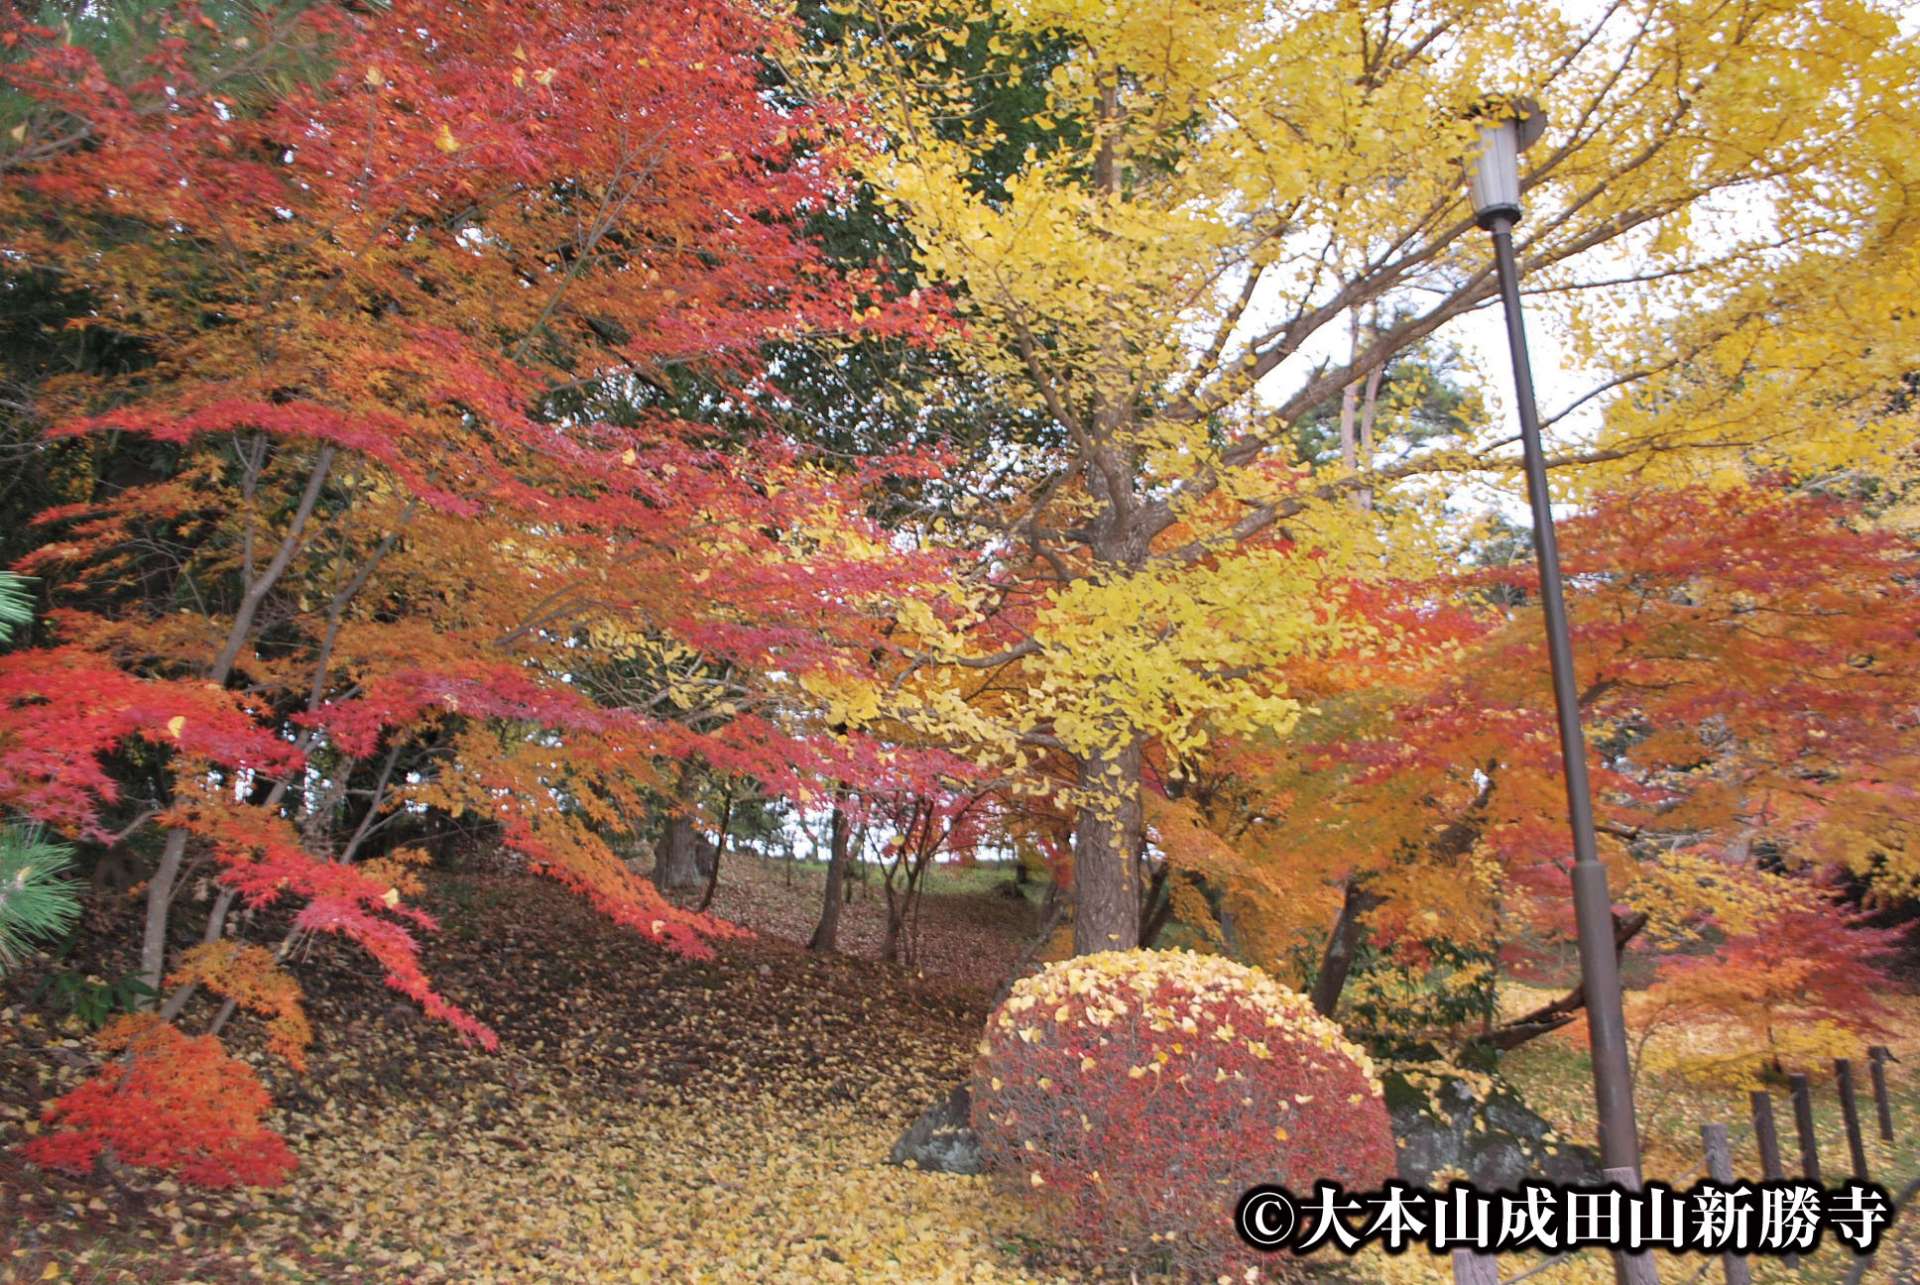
{"x": 646, "y": 1118}
{"x": 649, "y": 1118}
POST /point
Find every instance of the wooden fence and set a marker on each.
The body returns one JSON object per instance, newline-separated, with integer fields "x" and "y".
{"x": 1471, "y": 1268}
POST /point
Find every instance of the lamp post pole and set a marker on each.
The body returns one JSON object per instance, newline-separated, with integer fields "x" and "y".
{"x": 1592, "y": 905}
{"x": 1495, "y": 182}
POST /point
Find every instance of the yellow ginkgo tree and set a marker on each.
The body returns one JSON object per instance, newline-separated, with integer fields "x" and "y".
{"x": 1208, "y": 197}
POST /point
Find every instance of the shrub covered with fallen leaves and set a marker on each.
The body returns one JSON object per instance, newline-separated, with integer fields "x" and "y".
{"x": 1138, "y": 1093}
{"x": 166, "y": 1101}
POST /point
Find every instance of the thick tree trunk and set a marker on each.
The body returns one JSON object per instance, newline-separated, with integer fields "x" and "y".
{"x": 896, "y": 918}
{"x": 674, "y": 867}
{"x": 719, "y": 851}
{"x": 1106, "y": 839}
{"x": 826, "y": 936}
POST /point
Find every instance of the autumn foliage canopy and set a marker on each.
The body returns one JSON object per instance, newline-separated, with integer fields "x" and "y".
{"x": 425, "y": 417}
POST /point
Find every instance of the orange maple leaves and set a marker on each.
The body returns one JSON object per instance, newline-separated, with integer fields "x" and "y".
{"x": 168, "y": 1101}
{"x": 253, "y": 979}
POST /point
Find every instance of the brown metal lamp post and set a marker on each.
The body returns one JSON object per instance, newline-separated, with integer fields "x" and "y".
{"x": 1494, "y": 181}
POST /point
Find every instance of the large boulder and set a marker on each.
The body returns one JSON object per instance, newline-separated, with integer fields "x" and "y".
{"x": 1497, "y": 1141}
{"x": 942, "y": 1139}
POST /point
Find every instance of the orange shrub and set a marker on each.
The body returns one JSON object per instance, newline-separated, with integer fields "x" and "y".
{"x": 1140, "y": 1092}
{"x": 174, "y": 1102}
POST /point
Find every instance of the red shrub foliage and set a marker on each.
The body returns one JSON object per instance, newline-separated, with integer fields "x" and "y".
{"x": 176, "y": 1103}
{"x": 1140, "y": 1092}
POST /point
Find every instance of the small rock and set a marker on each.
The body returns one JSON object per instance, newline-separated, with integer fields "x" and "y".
{"x": 942, "y": 1140}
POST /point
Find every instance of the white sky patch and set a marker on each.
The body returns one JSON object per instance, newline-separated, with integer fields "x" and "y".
{"x": 1735, "y": 221}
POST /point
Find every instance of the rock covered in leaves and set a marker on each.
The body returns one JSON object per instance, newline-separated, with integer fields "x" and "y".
{"x": 1493, "y": 1138}
{"x": 943, "y": 1139}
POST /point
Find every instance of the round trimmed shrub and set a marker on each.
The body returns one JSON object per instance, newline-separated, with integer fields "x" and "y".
{"x": 1138, "y": 1093}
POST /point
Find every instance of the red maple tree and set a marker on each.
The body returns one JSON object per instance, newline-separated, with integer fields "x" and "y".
{"x": 431, "y": 302}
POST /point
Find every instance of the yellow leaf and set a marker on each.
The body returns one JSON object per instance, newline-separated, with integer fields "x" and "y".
{"x": 446, "y": 142}
{"x": 176, "y": 725}
{"x": 544, "y": 77}
{"x": 391, "y": 897}
{"x": 52, "y": 1273}
{"x": 520, "y": 77}
{"x": 374, "y": 78}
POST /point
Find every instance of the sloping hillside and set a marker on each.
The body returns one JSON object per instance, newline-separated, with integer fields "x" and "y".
{"x": 646, "y": 1117}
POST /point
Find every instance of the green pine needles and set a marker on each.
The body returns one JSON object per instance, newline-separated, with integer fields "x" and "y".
{"x": 16, "y": 607}
{"x": 35, "y": 901}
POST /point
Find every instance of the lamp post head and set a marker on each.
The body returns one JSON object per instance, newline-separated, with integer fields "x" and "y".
{"x": 1508, "y": 127}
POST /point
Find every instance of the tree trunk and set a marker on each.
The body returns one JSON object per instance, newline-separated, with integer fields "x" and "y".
{"x": 153, "y": 941}
{"x": 856, "y": 873}
{"x": 1159, "y": 907}
{"x": 826, "y": 937}
{"x": 896, "y": 916}
{"x": 160, "y": 888}
{"x": 1342, "y": 945}
{"x": 1106, "y": 837}
{"x": 901, "y": 863}
{"x": 674, "y": 866}
{"x": 719, "y": 851}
